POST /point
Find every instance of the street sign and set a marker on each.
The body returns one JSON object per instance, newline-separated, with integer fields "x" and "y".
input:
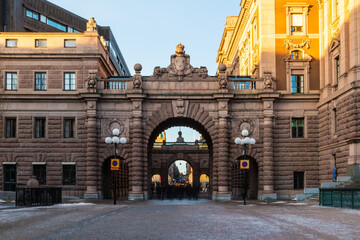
{"x": 115, "y": 164}
{"x": 244, "y": 164}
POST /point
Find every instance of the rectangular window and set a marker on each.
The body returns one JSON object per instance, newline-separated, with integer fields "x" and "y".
{"x": 296, "y": 22}
{"x": 297, "y": 83}
{"x": 9, "y": 177}
{"x": 69, "y": 128}
{"x": 32, "y": 14}
{"x": 40, "y": 127}
{"x": 29, "y": 13}
{"x": 70, "y": 43}
{"x": 297, "y": 127}
{"x": 56, "y": 24}
{"x": 39, "y": 171}
{"x": 69, "y": 174}
{"x": 40, "y": 43}
{"x": 43, "y": 18}
{"x": 70, "y": 29}
{"x": 298, "y": 180}
{"x": 5, "y": 28}
{"x": 40, "y": 81}
{"x": 11, "y": 81}
{"x": 11, "y": 43}
{"x": 337, "y": 69}
{"x": 10, "y": 127}
{"x": 69, "y": 81}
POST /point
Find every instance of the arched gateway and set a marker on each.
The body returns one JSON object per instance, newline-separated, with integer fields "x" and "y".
{"x": 218, "y": 107}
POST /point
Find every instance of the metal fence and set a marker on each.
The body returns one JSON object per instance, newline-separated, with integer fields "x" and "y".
{"x": 38, "y": 196}
{"x": 340, "y": 197}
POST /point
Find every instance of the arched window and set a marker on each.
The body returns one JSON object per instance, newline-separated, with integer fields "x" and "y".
{"x": 297, "y": 55}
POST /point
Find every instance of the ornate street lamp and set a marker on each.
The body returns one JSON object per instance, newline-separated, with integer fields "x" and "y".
{"x": 115, "y": 162}
{"x": 244, "y": 164}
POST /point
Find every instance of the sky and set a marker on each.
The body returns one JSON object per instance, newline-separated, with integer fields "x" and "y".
{"x": 147, "y": 31}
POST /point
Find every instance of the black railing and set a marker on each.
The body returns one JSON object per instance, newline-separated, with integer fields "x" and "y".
{"x": 340, "y": 197}
{"x": 38, "y": 196}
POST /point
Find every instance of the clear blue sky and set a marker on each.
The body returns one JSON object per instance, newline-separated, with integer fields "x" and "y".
{"x": 147, "y": 31}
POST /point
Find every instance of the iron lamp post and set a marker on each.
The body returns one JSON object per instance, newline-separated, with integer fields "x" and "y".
{"x": 245, "y": 141}
{"x": 115, "y": 140}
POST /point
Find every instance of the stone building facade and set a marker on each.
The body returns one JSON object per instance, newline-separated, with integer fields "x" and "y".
{"x": 274, "y": 80}
{"x": 307, "y": 52}
{"x": 44, "y": 16}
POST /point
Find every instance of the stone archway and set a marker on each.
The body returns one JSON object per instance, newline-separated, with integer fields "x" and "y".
{"x": 199, "y": 121}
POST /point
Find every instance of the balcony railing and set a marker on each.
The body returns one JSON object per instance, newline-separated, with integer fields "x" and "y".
{"x": 243, "y": 83}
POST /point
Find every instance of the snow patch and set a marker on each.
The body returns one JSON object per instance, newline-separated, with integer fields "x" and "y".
{"x": 278, "y": 202}
{"x": 1, "y": 201}
{"x": 297, "y": 204}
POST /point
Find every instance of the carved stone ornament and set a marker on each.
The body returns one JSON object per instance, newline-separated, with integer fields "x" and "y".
{"x": 180, "y": 66}
{"x": 180, "y": 107}
{"x": 137, "y": 81}
{"x": 92, "y": 79}
{"x": 108, "y": 125}
{"x": 247, "y": 124}
{"x": 222, "y": 78}
{"x": 268, "y": 81}
{"x": 91, "y": 25}
{"x": 290, "y": 44}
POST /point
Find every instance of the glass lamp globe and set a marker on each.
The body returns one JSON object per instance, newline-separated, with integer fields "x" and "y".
{"x": 116, "y": 132}
{"x": 246, "y": 140}
{"x": 115, "y": 140}
{"x": 108, "y": 140}
{"x": 237, "y": 140}
{"x": 245, "y": 133}
{"x": 252, "y": 141}
{"x": 122, "y": 140}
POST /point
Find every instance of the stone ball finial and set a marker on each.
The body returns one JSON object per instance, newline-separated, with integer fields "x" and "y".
{"x": 32, "y": 182}
{"x": 137, "y": 67}
{"x": 222, "y": 67}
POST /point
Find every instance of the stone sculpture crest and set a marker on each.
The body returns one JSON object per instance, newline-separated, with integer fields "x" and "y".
{"x": 268, "y": 81}
{"x": 180, "y": 66}
{"x": 222, "y": 78}
{"x": 290, "y": 44}
{"x": 92, "y": 79}
{"x": 91, "y": 25}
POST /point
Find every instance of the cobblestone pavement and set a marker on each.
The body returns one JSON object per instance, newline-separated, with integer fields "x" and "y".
{"x": 180, "y": 220}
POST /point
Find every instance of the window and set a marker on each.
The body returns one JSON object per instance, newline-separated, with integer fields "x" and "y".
{"x": 11, "y": 81}
{"x": 9, "y": 177}
{"x": 69, "y": 81}
{"x": 32, "y": 14}
{"x": 43, "y": 19}
{"x": 70, "y": 29}
{"x": 337, "y": 69}
{"x": 69, "y": 174}
{"x": 298, "y": 180}
{"x": 10, "y": 127}
{"x": 296, "y": 22}
{"x": 5, "y": 28}
{"x": 40, "y": 81}
{"x": 297, "y": 128}
{"x": 297, "y": 83}
{"x": 39, "y": 171}
{"x": 40, "y": 126}
{"x": 56, "y": 24}
{"x": 297, "y": 55}
{"x": 69, "y": 128}
{"x": 70, "y": 43}
{"x": 11, "y": 43}
{"x": 40, "y": 43}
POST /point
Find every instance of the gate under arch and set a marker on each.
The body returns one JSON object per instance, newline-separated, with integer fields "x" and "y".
{"x": 122, "y": 178}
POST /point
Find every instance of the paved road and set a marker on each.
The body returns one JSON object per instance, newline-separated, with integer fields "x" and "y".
{"x": 180, "y": 220}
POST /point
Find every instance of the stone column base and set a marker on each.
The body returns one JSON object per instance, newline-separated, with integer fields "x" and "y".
{"x": 222, "y": 194}
{"x": 136, "y": 196}
{"x": 268, "y": 196}
{"x": 91, "y": 195}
